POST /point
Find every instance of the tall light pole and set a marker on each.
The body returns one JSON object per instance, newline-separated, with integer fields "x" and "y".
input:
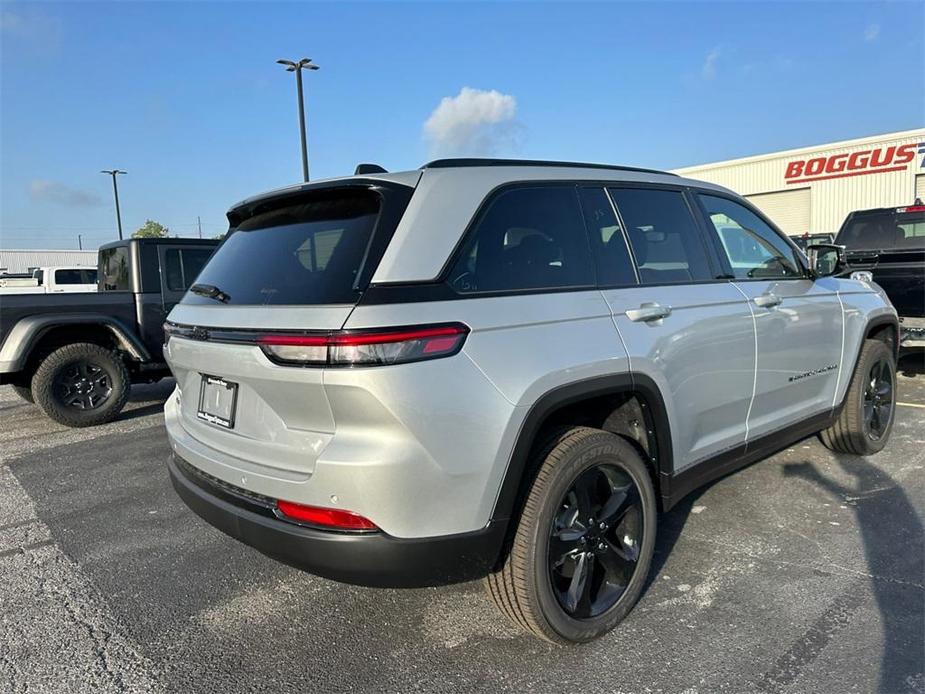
{"x": 115, "y": 192}
{"x": 297, "y": 67}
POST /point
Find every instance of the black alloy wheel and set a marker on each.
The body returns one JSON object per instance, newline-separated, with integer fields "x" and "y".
{"x": 594, "y": 541}
{"x": 83, "y": 385}
{"x": 878, "y": 400}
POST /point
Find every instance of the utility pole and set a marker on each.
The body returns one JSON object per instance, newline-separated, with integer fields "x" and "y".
{"x": 80, "y": 245}
{"x": 199, "y": 223}
{"x": 291, "y": 66}
{"x": 115, "y": 192}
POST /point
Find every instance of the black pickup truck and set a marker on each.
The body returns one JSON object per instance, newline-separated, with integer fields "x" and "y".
{"x": 76, "y": 355}
{"x": 890, "y": 244}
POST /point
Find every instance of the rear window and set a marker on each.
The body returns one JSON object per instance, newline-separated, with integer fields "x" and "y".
{"x": 884, "y": 230}
{"x": 306, "y": 253}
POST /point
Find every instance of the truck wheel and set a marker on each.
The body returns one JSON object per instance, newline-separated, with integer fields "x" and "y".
{"x": 82, "y": 384}
{"x": 866, "y": 419}
{"x": 582, "y": 549}
{"x": 24, "y": 392}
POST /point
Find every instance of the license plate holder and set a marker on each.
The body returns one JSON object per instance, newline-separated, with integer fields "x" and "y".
{"x": 218, "y": 400}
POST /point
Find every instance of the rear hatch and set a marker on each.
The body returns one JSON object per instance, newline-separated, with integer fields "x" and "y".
{"x": 295, "y": 264}
{"x": 890, "y": 243}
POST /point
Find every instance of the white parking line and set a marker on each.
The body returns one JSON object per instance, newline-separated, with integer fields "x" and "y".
{"x": 910, "y": 404}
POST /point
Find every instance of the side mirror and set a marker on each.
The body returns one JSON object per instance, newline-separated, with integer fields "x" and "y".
{"x": 826, "y": 259}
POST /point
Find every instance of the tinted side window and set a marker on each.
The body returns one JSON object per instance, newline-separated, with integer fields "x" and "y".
{"x": 663, "y": 234}
{"x": 115, "y": 269}
{"x": 182, "y": 266}
{"x": 753, "y": 248}
{"x": 68, "y": 277}
{"x": 173, "y": 271}
{"x": 528, "y": 238}
{"x": 193, "y": 261}
{"x": 614, "y": 265}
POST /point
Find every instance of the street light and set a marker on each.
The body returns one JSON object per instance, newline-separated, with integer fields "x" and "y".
{"x": 306, "y": 64}
{"x": 115, "y": 192}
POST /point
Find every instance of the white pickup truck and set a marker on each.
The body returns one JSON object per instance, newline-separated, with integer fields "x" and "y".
{"x": 51, "y": 280}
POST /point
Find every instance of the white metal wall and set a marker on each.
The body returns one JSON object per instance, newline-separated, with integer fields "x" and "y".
{"x": 831, "y": 200}
{"x": 920, "y": 187}
{"x": 22, "y": 260}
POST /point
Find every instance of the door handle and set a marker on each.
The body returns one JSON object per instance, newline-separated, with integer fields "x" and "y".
{"x": 648, "y": 312}
{"x": 767, "y": 300}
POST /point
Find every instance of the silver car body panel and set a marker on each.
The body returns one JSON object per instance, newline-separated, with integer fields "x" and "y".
{"x": 701, "y": 356}
{"x": 421, "y": 449}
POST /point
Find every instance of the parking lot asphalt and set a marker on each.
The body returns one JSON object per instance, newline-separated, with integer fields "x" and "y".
{"x": 801, "y": 573}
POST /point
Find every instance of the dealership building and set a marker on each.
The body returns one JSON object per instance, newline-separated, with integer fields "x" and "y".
{"x": 812, "y": 189}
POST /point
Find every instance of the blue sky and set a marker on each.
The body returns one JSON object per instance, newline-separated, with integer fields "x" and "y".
{"x": 186, "y": 96}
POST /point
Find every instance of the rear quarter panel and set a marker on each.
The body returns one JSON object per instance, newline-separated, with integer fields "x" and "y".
{"x": 474, "y": 404}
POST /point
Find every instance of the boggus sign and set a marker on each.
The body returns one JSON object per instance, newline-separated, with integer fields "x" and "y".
{"x": 870, "y": 161}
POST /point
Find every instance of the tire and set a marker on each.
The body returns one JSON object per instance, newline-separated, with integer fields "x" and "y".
{"x": 25, "y": 393}
{"x": 529, "y": 588}
{"x": 854, "y": 432}
{"x": 76, "y": 405}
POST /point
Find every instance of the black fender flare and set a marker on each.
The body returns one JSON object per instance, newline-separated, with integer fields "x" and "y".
{"x": 26, "y": 334}
{"x": 879, "y": 322}
{"x": 518, "y": 476}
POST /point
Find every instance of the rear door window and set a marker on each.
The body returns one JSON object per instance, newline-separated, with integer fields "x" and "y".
{"x": 611, "y": 255}
{"x": 526, "y": 239}
{"x": 753, "y": 248}
{"x": 665, "y": 239}
{"x": 310, "y": 252}
{"x": 183, "y": 265}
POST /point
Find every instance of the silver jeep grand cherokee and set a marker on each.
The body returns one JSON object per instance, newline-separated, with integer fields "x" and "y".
{"x": 505, "y": 369}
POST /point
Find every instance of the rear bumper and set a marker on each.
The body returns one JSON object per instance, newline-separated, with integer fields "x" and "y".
{"x": 363, "y": 558}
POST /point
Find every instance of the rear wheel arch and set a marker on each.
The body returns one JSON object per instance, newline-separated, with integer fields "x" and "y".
{"x": 610, "y": 403}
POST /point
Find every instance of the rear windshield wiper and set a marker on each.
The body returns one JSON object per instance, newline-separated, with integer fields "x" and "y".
{"x": 210, "y": 291}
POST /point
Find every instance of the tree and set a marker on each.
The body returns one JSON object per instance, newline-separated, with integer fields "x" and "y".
{"x": 151, "y": 230}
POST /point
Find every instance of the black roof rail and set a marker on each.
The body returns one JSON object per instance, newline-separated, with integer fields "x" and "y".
{"x": 467, "y": 162}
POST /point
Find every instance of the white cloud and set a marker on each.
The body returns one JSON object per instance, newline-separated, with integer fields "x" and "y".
{"x": 474, "y": 122}
{"x": 61, "y": 194}
{"x": 872, "y": 32}
{"x": 708, "y": 71}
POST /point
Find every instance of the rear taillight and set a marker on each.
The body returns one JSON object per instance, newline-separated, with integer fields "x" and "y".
{"x": 332, "y": 518}
{"x": 365, "y": 347}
